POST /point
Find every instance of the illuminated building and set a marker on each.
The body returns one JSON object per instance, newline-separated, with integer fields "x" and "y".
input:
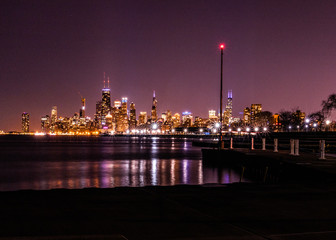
{"x": 117, "y": 104}
{"x": 98, "y": 115}
{"x": 25, "y": 122}
{"x": 117, "y": 119}
{"x": 255, "y": 110}
{"x": 106, "y": 101}
{"x": 212, "y": 114}
{"x": 228, "y": 109}
{"x": 169, "y": 116}
{"x": 154, "y": 109}
{"x": 167, "y": 121}
{"x": 276, "y": 122}
{"x": 115, "y": 111}
{"x": 121, "y": 116}
{"x": 103, "y": 107}
{"x": 299, "y": 117}
{"x": 164, "y": 117}
{"x": 132, "y": 121}
{"x": 247, "y": 116}
{"x": 200, "y": 122}
{"x": 142, "y": 118}
{"x": 108, "y": 121}
{"x": 176, "y": 120}
{"x": 53, "y": 118}
{"x": 187, "y": 119}
{"x": 45, "y": 123}
{"x": 124, "y": 114}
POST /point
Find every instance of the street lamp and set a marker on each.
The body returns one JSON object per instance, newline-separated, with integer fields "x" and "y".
{"x": 327, "y": 122}
{"x": 315, "y": 125}
{"x": 256, "y": 129}
{"x": 222, "y": 46}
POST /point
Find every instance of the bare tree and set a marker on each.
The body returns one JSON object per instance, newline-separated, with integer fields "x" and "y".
{"x": 329, "y": 104}
{"x": 285, "y": 119}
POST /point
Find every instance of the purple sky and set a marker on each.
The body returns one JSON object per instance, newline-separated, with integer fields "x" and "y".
{"x": 281, "y": 54}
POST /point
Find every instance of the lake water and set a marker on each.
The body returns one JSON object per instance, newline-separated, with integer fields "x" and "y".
{"x": 47, "y": 162}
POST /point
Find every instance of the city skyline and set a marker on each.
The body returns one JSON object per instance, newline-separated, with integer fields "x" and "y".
{"x": 280, "y": 54}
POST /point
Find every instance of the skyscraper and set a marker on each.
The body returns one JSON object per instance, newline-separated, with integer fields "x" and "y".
{"x": 187, "y": 119}
{"x": 53, "y": 119}
{"x": 25, "y": 122}
{"x": 45, "y": 123}
{"x": 255, "y": 110}
{"x": 142, "y": 118}
{"x": 154, "y": 109}
{"x": 212, "y": 115}
{"x": 106, "y": 101}
{"x": 124, "y": 114}
{"x": 247, "y": 116}
{"x": 103, "y": 107}
{"x": 132, "y": 122}
{"x": 228, "y": 109}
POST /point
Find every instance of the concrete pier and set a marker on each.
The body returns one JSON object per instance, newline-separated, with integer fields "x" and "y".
{"x": 281, "y": 166}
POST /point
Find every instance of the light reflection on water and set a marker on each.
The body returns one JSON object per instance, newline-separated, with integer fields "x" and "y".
{"x": 46, "y": 164}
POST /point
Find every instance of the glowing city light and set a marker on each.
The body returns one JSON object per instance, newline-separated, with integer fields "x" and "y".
{"x": 248, "y": 129}
{"x": 307, "y": 120}
{"x": 185, "y": 130}
{"x": 155, "y": 126}
{"x": 217, "y": 125}
{"x": 239, "y": 129}
{"x": 290, "y": 127}
{"x": 328, "y": 122}
{"x": 315, "y": 125}
{"x": 256, "y": 129}
{"x": 201, "y": 130}
{"x": 222, "y": 46}
{"x": 265, "y": 129}
{"x": 230, "y": 129}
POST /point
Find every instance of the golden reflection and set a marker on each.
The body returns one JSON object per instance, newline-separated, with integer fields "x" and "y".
{"x": 185, "y": 171}
{"x": 200, "y": 172}
{"x": 154, "y": 172}
{"x": 172, "y": 172}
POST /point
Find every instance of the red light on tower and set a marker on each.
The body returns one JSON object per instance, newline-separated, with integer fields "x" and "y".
{"x": 222, "y": 46}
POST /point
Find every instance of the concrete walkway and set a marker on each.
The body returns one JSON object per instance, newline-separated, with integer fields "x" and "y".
{"x": 237, "y": 211}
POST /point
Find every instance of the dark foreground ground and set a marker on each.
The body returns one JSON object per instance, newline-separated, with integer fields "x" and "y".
{"x": 237, "y": 211}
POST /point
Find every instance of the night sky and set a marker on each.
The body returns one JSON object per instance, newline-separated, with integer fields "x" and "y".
{"x": 281, "y": 54}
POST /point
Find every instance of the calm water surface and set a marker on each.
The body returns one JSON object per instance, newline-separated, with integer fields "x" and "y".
{"x": 47, "y": 162}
